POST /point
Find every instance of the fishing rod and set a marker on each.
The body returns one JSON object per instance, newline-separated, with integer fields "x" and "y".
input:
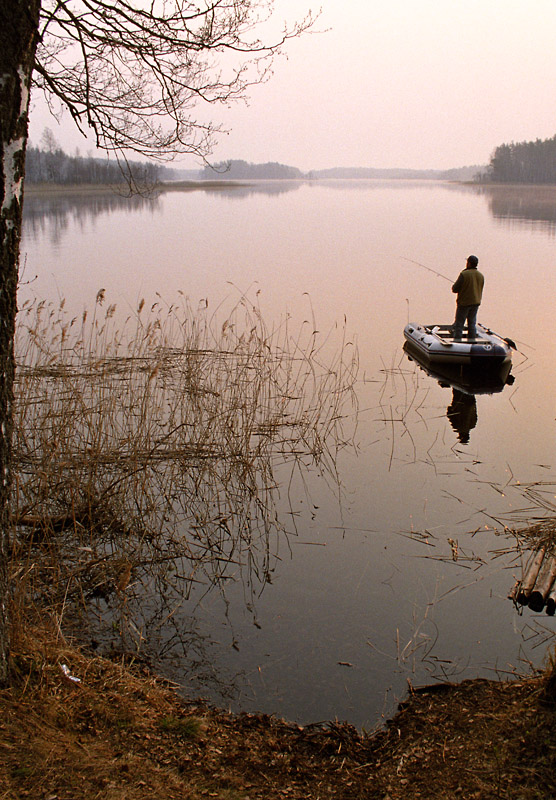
{"x": 429, "y": 269}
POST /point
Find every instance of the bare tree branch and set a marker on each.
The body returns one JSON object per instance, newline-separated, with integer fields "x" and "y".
{"x": 133, "y": 72}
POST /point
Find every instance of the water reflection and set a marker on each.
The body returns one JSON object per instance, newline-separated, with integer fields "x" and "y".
{"x": 466, "y": 382}
{"x": 462, "y": 413}
{"x": 59, "y": 210}
{"x": 522, "y": 204}
{"x": 159, "y": 450}
{"x": 241, "y": 191}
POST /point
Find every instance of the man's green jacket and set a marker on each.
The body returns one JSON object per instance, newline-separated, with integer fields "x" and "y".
{"x": 469, "y": 287}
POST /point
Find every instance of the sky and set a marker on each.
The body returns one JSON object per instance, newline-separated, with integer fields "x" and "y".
{"x": 421, "y": 84}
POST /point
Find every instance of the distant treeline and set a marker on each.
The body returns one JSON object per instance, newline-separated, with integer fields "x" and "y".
{"x": 243, "y": 170}
{"x": 468, "y": 173}
{"x": 55, "y": 166}
{"x": 524, "y": 162}
{"x": 50, "y": 164}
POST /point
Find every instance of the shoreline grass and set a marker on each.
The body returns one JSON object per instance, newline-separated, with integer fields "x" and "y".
{"x": 76, "y": 725}
{"x": 145, "y": 450}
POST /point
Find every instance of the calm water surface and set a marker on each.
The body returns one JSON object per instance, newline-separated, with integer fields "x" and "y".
{"x": 366, "y": 593}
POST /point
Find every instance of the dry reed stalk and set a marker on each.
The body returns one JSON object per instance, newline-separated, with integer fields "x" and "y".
{"x": 155, "y": 444}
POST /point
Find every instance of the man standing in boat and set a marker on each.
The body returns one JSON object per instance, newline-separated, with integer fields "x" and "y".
{"x": 469, "y": 289}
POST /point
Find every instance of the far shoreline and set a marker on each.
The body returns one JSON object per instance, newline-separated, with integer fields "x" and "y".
{"x": 222, "y": 184}
{"x": 124, "y": 189}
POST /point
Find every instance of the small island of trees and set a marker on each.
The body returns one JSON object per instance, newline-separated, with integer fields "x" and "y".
{"x": 243, "y": 170}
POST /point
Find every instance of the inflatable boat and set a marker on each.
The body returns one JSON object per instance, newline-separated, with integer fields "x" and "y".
{"x": 436, "y": 345}
{"x": 465, "y": 378}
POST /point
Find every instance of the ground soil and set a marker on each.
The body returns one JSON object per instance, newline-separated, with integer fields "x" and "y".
{"x": 120, "y": 733}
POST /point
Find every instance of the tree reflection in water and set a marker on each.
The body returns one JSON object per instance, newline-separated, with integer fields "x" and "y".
{"x": 56, "y": 211}
{"x": 527, "y": 205}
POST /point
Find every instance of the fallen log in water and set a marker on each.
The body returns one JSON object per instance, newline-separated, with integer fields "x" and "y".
{"x": 537, "y": 589}
{"x": 543, "y": 584}
{"x": 550, "y": 607}
{"x": 526, "y": 585}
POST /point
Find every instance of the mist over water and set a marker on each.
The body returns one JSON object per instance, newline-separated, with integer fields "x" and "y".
{"x": 394, "y": 571}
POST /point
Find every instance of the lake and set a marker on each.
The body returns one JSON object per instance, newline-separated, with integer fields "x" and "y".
{"x": 393, "y": 566}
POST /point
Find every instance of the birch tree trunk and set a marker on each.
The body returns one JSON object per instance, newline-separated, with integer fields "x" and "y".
{"x": 18, "y": 40}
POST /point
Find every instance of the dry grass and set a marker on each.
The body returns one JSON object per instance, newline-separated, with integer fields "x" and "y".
{"x": 146, "y": 449}
{"x": 121, "y": 734}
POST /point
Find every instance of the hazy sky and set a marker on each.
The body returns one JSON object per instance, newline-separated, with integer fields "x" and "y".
{"x": 394, "y": 83}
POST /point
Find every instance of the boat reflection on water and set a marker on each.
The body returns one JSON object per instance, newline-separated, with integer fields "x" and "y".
{"x": 466, "y": 382}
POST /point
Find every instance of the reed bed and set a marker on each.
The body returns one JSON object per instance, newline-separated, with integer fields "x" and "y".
{"x": 146, "y": 449}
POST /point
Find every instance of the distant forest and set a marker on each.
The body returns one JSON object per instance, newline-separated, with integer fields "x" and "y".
{"x": 524, "y": 162}
{"x": 243, "y": 170}
{"x": 54, "y": 166}
{"x": 48, "y": 163}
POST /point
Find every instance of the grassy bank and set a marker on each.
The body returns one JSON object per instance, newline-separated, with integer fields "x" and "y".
{"x": 74, "y": 726}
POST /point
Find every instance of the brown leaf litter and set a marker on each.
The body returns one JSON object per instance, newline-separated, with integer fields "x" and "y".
{"x": 74, "y": 726}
